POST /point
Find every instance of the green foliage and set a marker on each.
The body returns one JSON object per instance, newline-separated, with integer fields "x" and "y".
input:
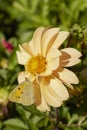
{"x": 18, "y": 20}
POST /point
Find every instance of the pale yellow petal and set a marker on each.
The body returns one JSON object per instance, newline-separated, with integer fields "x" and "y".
{"x": 22, "y": 56}
{"x": 72, "y": 52}
{"x": 46, "y": 37}
{"x": 37, "y": 40}
{"x": 53, "y": 58}
{"x": 53, "y": 54}
{"x": 22, "y": 59}
{"x": 62, "y": 35}
{"x": 50, "y": 89}
{"x": 47, "y": 72}
{"x": 68, "y": 85}
{"x": 43, "y": 106}
{"x": 53, "y": 64}
{"x": 72, "y": 61}
{"x": 37, "y": 94}
{"x": 21, "y": 77}
{"x": 68, "y": 76}
{"x": 50, "y": 99}
{"x": 27, "y": 48}
{"x": 29, "y": 76}
{"x": 32, "y": 47}
{"x": 24, "y": 52}
{"x": 67, "y": 59}
{"x": 49, "y": 96}
{"x": 59, "y": 88}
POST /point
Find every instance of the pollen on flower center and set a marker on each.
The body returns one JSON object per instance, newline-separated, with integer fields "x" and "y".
{"x": 36, "y": 64}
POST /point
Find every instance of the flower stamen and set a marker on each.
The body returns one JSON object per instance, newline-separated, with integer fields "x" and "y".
{"x": 36, "y": 64}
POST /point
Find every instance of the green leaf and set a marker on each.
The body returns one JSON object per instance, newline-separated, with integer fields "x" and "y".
{"x": 32, "y": 126}
{"x": 14, "y": 41}
{"x": 33, "y": 110}
{"x": 43, "y": 122}
{"x": 1, "y": 36}
{"x": 64, "y": 112}
{"x": 24, "y": 114}
{"x": 15, "y": 122}
{"x": 13, "y": 60}
{"x": 0, "y": 125}
{"x": 73, "y": 119}
{"x": 34, "y": 5}
{"x": 81, "y": 119}
{"x": 10, "y": 128}
{"x": 85, "y": 124}
{"x": 3, "y": 73}
{"x": 79, "y": 128}
{"x": 23, "y": 2}
{"x": 35, "y": 119}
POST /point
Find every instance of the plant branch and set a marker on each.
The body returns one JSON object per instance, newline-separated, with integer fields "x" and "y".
{"x": 69, "y": 40}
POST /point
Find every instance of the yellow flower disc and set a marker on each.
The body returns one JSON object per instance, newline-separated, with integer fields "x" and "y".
{"x": 36, "y": 64}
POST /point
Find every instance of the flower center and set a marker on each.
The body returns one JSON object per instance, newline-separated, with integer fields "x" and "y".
{"x": 36, "y": 64}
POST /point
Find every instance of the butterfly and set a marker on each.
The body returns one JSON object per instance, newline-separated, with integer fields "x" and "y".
{"x": 24, "y": 93}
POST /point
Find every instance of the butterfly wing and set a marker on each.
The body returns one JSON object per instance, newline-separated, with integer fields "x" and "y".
{"x": 24, "y": 93}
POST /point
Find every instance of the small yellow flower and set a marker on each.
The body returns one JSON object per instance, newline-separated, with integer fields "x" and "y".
{"x": 45, "y": 65}
{"x": 4, "y": 63}
{"x": 3, "y": 96}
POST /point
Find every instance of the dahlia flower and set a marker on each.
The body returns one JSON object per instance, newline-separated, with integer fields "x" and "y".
{"x": 46, "y": 66}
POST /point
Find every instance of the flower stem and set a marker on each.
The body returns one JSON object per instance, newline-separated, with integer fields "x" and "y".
{"x": 69, "y": 40}
{"x": 56, "y": 117}
{"x": 5, "y": 110}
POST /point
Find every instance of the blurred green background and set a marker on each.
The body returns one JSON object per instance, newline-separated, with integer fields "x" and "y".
{"x": 18, "y": 20}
